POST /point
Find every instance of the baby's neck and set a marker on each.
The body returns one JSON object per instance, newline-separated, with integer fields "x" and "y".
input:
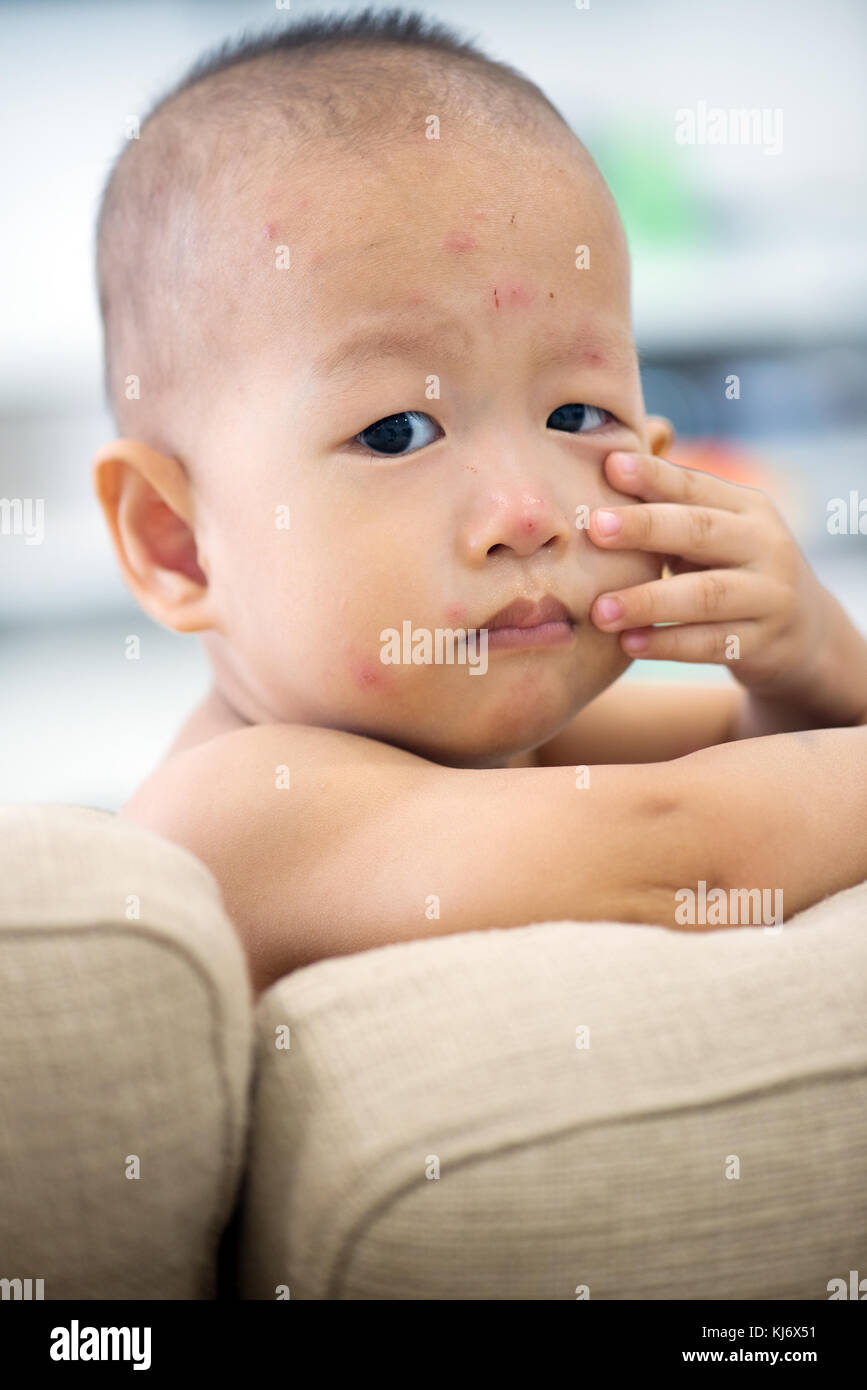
{"x": 212, "y": 717}
{"x": 215, "y": 716}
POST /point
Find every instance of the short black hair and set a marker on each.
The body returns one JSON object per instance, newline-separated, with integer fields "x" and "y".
{"x": 324, "y": 34}
{"x": 315, "y": 78}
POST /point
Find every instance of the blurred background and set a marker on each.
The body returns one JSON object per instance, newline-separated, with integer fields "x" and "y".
{"x": 748, "y": 263}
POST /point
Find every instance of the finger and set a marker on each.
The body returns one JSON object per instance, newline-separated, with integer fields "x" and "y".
{"x": 655, "y": 479}
{"x": 706, "y": 535}
{"x": 705, "y": 596}
{"x": 715, "y": 644}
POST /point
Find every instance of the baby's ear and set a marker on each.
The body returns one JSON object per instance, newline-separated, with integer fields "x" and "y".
{"x": 146, "y": 501}
{"x": 660, "y": 432}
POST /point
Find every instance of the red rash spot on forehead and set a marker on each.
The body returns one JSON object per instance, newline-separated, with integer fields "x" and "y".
{"x": 274, "y": 199}
{"x": 460, "y": 241}
{"x": 511, "y": 292}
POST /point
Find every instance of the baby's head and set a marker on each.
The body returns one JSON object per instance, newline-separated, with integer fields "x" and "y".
{"x": 349, "y": 335}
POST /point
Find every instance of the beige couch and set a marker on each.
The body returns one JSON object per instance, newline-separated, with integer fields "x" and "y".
{"x": 431, "y": 1130}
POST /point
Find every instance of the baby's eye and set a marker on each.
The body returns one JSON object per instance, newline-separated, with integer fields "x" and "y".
{"x": 577, "y": 418}
{"x": 392, "y": 434}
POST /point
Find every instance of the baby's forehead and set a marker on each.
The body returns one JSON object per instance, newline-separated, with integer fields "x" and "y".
{"x": 326, "y": 261}
{"x": 344, "y": 214}
{"x": 268, "y": 184}
{"x": 285, "y": 254}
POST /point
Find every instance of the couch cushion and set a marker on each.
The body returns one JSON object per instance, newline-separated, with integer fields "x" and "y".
{"x": 609, "y": 1167}
{"x": 120, "y": 1036}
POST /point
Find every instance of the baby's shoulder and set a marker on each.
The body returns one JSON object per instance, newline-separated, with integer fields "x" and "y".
{"x": 282, "y": 816}
{"x": 228, "y": 778}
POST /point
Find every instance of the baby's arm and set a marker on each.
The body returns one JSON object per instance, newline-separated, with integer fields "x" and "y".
{"x": 787, "y": 811}
{"x": 370, "y": 844}
{"x": 652, "y": 722}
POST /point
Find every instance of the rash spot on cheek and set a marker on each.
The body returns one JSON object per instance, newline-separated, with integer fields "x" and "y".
{"x": 368, "y": 673}
{"x": 456, "y": 612}
{"x": 268, "y": 231}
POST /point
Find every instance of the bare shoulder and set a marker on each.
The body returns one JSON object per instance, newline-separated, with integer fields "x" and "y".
{"x": 223, "y": 777}
{"x": 273, "y": 810}
{"x": 325, "y": 842}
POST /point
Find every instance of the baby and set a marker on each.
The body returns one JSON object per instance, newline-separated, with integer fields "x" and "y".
{"x": 383, "y": 444}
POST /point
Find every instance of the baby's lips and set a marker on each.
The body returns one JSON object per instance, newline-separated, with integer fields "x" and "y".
{"x": 523, "y": 612}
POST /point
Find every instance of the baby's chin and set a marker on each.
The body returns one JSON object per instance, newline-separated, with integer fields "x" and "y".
{"x": 515, "y": 708}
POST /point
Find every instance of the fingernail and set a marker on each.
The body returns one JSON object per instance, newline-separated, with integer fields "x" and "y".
{"x": 627, "y": 463}
{"x": 635, "y": 641}
{"x": 608, "y": 609}
{"x": 608, "y": 523}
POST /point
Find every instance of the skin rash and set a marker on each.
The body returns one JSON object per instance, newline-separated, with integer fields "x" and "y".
{"x": 481, "y": 509}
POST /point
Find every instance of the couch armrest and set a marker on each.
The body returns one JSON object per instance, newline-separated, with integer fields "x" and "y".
{"x": 125, "y": 1046}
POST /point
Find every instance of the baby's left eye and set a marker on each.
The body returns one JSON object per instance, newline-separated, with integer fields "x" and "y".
{"x": 576, "y": 418}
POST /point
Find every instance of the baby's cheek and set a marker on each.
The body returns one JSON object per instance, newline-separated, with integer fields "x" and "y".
{"x": 628, "y": 569}
{"x": 366, "y": 670}
{"x": 365, "y": 673}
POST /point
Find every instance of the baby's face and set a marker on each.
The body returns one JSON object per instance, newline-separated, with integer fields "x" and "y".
{"x": 462, "y": 261}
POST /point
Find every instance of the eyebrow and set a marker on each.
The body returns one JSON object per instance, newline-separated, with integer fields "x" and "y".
{"x": 451, "y": 338}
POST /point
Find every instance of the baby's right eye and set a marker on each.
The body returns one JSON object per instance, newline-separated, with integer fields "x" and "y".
{"x": 391, "y": 434}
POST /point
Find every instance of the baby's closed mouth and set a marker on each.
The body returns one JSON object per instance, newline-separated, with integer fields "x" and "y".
{"x": 530, "y": 623}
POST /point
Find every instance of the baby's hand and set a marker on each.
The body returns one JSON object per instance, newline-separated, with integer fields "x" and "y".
{"x": 740, "y": 586}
